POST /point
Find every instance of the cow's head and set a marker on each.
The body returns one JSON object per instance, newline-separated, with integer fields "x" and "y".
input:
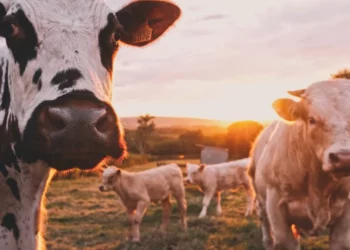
{"x": 110, "y": 177}
{"x": 194, "y": 173}
{"x": 324, "y": 111}
{"x": 58, "y": 78}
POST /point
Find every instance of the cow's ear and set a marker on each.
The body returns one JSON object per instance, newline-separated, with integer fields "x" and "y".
{"x": 146, "y": 20}
{"x": 288, "y": 109}
{"x": 201, "y": 167}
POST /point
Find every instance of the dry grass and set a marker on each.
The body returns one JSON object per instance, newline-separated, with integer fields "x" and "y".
{"x": 80, "y": 217}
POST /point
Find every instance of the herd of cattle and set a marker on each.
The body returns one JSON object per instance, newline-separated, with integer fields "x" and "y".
{"x": 138, "y": 190}
{"x": 55, "y": 114}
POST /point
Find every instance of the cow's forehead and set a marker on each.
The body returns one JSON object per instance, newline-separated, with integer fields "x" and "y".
{"x": 109, "y": 171}
{"x": 192, "y": 167}
{"x": 329, "y": 98}
{"x": 45, "y": 15}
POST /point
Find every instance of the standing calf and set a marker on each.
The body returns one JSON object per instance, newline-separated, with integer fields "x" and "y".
{"x": 213, "y": 179}
{"x": 138, "y": 190}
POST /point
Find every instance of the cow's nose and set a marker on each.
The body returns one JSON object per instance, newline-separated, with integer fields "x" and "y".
{"x": 76, "y": 132}
{"x": 60, "y": 120}
{"x": 340, "y": 160}
{"x": 100, "y": 188}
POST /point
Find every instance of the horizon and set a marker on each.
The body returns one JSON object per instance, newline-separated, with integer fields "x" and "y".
{"x": 222, "y": 123}
{"x": 252, "y": 55}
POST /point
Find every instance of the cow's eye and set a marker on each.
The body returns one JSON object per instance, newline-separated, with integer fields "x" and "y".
{"x": 312, "y": 120}
{"x": 9, "y": 27}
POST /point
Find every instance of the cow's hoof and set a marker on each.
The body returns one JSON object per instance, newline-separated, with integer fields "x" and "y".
{"x": 201, "y": 216}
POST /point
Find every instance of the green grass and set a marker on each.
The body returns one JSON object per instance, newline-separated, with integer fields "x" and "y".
{"x": 81, "y": 217}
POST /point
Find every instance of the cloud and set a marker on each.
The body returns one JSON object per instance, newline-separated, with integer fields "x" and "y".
{"x": 253, "y": 43}
{"x": 212, "y": 17}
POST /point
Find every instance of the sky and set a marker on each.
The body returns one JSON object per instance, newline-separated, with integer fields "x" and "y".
{"x": 229, "y": 59}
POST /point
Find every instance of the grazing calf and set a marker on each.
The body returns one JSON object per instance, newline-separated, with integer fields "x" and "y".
{"x": 55, "y": 96}
{"x": 213, "y": 179}
{"x": 138, "y": 190}
{"x": 300, "y": 167}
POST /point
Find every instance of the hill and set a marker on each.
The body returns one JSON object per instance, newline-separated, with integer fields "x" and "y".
{"x": 178, "y": 122}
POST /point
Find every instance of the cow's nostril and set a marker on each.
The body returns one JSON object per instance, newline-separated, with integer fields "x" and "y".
{"x": 334, "y": 158}
{"x": 51, "y": 120}
{"x": 104, "y": 123}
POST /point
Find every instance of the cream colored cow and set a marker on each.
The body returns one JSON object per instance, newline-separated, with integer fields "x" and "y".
{"x": 137, "y": 190}
{"x": 300, "y": 167}
{"x": 215, "y": 178}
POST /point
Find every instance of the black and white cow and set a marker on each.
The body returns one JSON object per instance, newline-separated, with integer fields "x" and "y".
{"x": 55, "y": 96}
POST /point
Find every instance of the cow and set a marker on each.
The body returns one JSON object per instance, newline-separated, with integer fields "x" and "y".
{"x": 215, "y": 178}
{"x": 300, "y": 167}
{"x": 55, "y": 96}
{"x": 138, "y": 190}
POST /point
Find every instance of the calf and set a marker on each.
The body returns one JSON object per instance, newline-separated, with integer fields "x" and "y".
{"x": 213, "y": 179}
{"x": 55, "y": 96}
{"x": 138, "y": 190}
{"x": 300, "y": 167}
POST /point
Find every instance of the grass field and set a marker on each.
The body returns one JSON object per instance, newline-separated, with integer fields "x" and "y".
{"x": 80, "y": 217}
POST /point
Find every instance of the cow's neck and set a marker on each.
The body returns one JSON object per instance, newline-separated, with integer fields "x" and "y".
{"x": 309, "y": 181}
{"x": 21, "y": 209}
{"x": 22, "y": 186}
{"x": 292, "y": 158}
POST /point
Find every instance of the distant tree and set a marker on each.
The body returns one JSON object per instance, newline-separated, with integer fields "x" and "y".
{"x": 344, "y": 73}
{"x": 240, "y": 136}
{"x": 144, "y": 131}
{"x": 166, "y": 147}
{"x": 189, "y": 139}
{"x": 130, "y": 139}
{"x": 215, "y": 139}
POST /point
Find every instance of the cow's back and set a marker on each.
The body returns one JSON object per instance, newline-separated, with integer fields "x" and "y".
{"x": 161, "y": 181}
{"x": 225, "y": 176}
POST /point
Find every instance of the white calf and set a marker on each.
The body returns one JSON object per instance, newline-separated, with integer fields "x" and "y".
{"x": 213, "y": 179}
{"x": 138, "y": 190}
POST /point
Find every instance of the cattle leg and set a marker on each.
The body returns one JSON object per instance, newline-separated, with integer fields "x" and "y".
{"x": 340, "y": 231}
{"x": 166, "y": 203}
{"x": 218, "y": 203}
{"x": 137, "y": 218}
{"x": 265, "y": 227}
{"x": 250, "y": 200}
{"x": 206, "y": 202}
{"x": 131, "y": 219}
{"x": 182, "y": 204}
{"x": 283, "y": 236}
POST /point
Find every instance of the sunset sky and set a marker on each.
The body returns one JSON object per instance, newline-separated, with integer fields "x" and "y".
{"x": 229, "y": 59}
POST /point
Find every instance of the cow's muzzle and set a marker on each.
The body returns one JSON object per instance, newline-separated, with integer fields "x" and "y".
{"x": 76, "y": 130}
{"x": 340, "y": 162}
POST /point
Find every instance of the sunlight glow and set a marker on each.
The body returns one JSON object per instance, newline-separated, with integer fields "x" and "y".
{"x": 229, "y": 60}
{"x": 227, "y": 101}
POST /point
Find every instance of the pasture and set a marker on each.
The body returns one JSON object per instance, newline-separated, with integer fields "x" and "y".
{"x": 81, "y": 217}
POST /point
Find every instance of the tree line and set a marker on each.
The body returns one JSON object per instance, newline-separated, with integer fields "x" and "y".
{"x": 148, "y": 139}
